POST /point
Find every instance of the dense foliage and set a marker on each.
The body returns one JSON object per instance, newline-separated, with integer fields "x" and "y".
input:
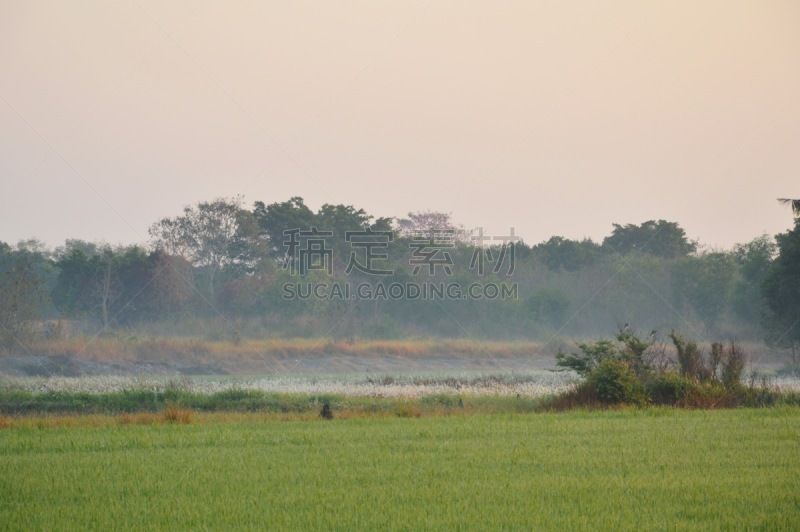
{"x": 782, "y": 292}
{"x": 639, "y": 372}
{"x": 280, "y": 269}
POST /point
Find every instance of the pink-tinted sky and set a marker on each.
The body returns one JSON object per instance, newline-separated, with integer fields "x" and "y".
{"x": 555, "y": 118}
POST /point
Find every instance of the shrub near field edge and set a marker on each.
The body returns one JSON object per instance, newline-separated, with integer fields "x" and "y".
{"x": 631, "y": 371}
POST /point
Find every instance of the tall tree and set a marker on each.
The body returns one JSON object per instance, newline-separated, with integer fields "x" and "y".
{"x": 782, "y": 293}
{"x": 341, "y": 219}
{"x": 754, "y": 260}
{"x": 21, "y": 294}
{"x": 210, "y": 235}
{"x": 275, "y": 218}
{"x": 113, "y": 285}
{"x": 75, "y": 284}
{"x": 705, "y": 284}
{"x": 560, "y": 253}
{"x": 170, "y": 289}
{"x": 90, "y": 249}
{"x": 106, "y": 287}
{"x": 426, "y": 222}
{"x": 660, "y": 238}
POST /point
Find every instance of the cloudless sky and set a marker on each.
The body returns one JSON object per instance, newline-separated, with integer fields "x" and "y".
{"x": 555, "y": 118}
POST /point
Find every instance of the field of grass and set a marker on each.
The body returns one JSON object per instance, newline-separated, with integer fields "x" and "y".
{"x": 655, "y": 468}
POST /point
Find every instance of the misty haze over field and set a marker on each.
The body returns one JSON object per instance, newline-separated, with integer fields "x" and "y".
{"x": 525, "y": 172}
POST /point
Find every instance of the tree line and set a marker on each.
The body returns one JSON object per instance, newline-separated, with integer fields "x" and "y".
{"x": 220, "y": 261}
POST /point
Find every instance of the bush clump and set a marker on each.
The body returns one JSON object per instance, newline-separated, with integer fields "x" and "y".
{"x": 669, "y": 388}
{"x": 613, "y": 381}
{"x": 638, "y": 372}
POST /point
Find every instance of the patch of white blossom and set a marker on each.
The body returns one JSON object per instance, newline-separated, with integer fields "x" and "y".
{"x": 536, "y": 383}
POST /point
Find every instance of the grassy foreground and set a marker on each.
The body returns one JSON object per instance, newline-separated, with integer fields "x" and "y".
{"x": 655, "y": 468}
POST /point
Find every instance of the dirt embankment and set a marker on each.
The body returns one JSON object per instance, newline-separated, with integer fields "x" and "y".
{"x": 164, "y": 356}
{"x": 175, "y": 356}
{"x": 67, "y": 366}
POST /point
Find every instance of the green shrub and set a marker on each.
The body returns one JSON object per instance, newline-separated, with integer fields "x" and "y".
{"x": 637, "y": 353}
{"x": 685, "y": 392}
{"x": 581, "y": 396}
{"x": 762, "y": 396}
{"x": 629, "y": 371}
{"x": 589, "y": 358}
{"x": 641, "y": 356}
{"x": 710, "y": 395}
{"x": 615, "y": 382}
{"x": 669, "y": 388}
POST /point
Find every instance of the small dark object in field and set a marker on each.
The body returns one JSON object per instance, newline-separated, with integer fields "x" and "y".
{"x": 326, "y": 412}
{"x": 460, "y": 403}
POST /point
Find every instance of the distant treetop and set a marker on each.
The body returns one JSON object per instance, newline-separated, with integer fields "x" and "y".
{"x": 422, "y": 222}
{"x": 660, "y": 238}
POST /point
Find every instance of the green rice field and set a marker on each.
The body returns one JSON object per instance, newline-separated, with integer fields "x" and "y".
{"x": 621, "y": 469}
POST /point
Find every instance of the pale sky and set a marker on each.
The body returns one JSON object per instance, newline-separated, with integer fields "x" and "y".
{"x": 555, "y": 118}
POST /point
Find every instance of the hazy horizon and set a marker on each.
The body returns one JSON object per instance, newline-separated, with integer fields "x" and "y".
{"x": 552, "y": 118}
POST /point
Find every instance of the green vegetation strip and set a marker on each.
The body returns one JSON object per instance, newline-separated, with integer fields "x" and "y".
{"x": 623, "y": 469}
{"x": 16, "y": 403}
{"x": 24, "y": 403}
